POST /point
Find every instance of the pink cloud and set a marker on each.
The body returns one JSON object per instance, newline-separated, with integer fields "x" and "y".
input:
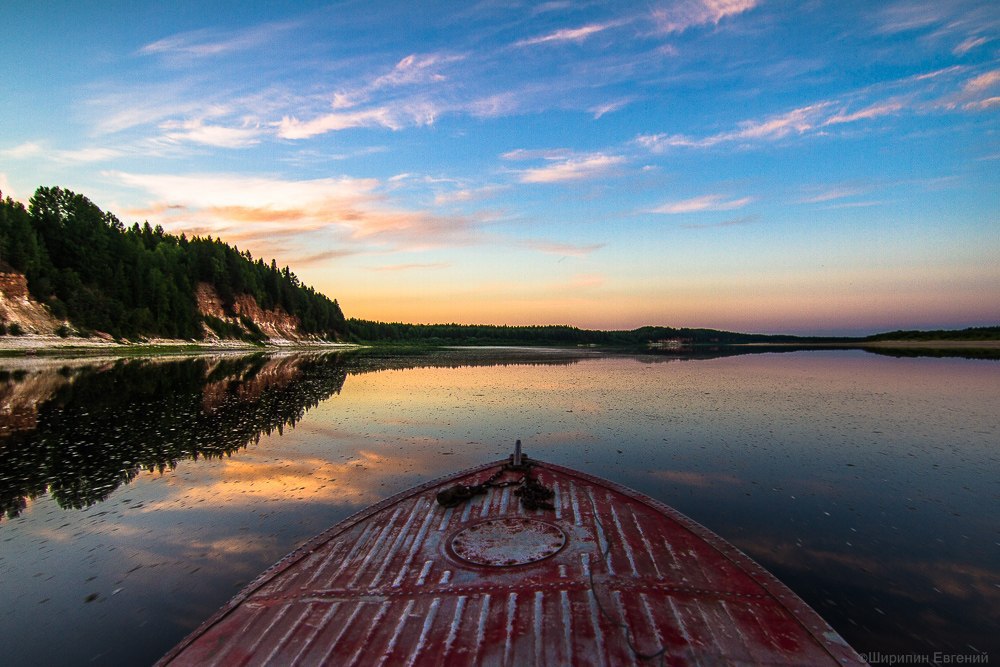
{"x": 867, "y": 113}
{"x": 690, "y": 13}
{"x": 566, "y": 35}
{"x": 586, "y": 167}
{"x": 703, "y": 203}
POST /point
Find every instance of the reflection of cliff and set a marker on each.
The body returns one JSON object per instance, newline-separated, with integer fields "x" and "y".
{"x": 248, "y": 384}
{"x": 85, "y": 438}
{"x": 20, "y": 395}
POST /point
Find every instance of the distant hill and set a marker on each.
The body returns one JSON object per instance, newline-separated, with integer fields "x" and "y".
{"x": 94, "y": 274}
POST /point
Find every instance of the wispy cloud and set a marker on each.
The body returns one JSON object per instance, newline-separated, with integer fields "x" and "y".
{"x": 537, "y": 154}
{"x": 30, "y": 149}
{"x": 982, "y": 82}
{"x": 83, "y": 155}
{"x": 609, "y": 107}
{"x": 463, "y": 195}
{"x": 714, "y": 202}
{"x": 198, "y": 132}
{"x": 566, "y": 35}
{"x": 796, "y": 122}
{"x": 968, "y": 45}
{"x": 21, "y": 151}
{"x": 576, "y": 168}
{"x": 354, "y": 108}
{"x": 207, "y": 43}
{"x": 977, "y": 93}
{"x": 293, "y": 128}
{"x": 411, "y": 70}
{"x": 680, "y": 16}
{"x": 411, "y": 267}
{"x": 733, "y": 222}
{"x": 873, "y": 111}
{"x": 831, "y": 194}
{"x": 556, "y": 248}
{"x": 909, "y": 15}
{"x": 776, "y": 127}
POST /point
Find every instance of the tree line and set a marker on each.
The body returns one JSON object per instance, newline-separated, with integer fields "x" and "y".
{"x": 487, "y": 334}
{"x": 91, "y": 269}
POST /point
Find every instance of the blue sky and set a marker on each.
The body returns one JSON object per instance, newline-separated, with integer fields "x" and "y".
{"x": 807, "y": 167}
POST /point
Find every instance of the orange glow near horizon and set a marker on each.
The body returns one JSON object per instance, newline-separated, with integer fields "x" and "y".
{"x": 775, "y": 307}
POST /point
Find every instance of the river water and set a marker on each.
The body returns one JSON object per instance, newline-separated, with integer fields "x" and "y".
{"x": 137, "y": 496}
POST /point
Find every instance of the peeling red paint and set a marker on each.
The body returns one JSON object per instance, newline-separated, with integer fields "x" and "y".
{"x": 607, "y": 577}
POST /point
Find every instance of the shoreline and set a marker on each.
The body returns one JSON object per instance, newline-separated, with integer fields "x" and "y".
{"x": 935, "y": 344}
{"x": 31, "y": 345}
{"x": 891, "y": 345}
{"x": 52, "y": 345}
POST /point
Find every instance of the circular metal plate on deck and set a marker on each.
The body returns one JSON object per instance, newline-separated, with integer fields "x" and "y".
{"x": 509, "y": 541}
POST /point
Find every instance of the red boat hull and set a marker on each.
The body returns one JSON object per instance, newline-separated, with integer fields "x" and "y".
{"x": 607, "y": 577}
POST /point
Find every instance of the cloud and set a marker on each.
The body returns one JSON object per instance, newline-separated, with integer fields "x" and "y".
{"x": 659, "y": 143}
{"x": 969, "y": 44}
{"x": 734, "y": 222}
{"x": 800, "y": 121}
{"x": 74, "y": 156}
{"x": 412, "y": 69}
{"x": 412, "y": 266}
{"x": 21, "y": 151}
{"x": 393, "y": 113}
{"x": 466, "y": 195}
{"x": 555, "y": 248}
{"x": 691, "y": 13}
{"x": 537, "y": 154}
{"x": 609, "y": 107}
{"x": 81, "y": 155}
{"x": 975, "y": 93}
{"x": 906, "y": 16}
{"x": 196, "y": 131}
{"x": 775, "y": 127}
{"x": 984, "y": 104}
{"x": 293, "y": 128}
{"x": 982, "y": 82}
{"x": 207, "y": 43}
{"x": 713, "y": 202}
{"x": 566, "y": 35}
{"x": 394, "y": 116}
{"x": 348, "y": 215}
{"x": 831, "y": 195}
{"x": 578, "y": 168}
{"x": 867, "y": 113}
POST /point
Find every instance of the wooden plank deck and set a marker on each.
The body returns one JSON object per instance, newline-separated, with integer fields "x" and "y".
{"x": 631, "y": 577}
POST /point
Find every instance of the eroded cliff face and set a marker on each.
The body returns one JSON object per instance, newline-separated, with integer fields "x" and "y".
{"x": 276, "y": 324}
{"x": 17, "y": 307}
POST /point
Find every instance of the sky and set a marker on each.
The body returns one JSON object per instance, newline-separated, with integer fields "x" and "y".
{"x": 753, "y": 165}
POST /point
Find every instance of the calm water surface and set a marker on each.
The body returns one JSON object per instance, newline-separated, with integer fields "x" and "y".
{"x": 138, "y": 496}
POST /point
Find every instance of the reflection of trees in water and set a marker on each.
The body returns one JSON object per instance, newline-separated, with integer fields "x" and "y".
{"x": 80, "y": 433}
{"x": 99, "y": 428}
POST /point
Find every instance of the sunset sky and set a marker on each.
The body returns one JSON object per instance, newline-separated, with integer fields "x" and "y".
{"x": 799, "y": 166}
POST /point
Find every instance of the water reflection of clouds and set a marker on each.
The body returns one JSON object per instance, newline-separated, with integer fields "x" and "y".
{"x": 936, "y": 583}
{"x": 248, "y": 481}
{"x": 698, "y": 479}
